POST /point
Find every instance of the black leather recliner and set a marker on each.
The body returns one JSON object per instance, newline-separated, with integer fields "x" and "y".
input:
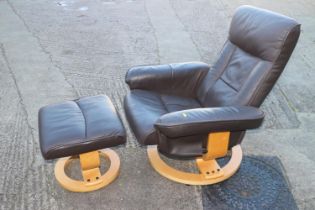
{"x": 177, "y": 106}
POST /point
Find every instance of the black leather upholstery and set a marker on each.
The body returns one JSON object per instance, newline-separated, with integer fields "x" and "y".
{"x": 206, "y": 120}
{"x": 75, "y": 127}
{"x": 259, "y": 45}
{"x": 180, "y": 79}
{"x": 145, "y": 108}
{"x": 178, "y": 131}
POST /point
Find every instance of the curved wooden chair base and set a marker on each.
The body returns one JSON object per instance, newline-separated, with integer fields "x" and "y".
{"x": 210, "y": 171}
{"x": 90, "y": 184}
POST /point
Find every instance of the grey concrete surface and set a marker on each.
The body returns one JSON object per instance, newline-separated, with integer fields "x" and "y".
{"x": 51, "y": 51}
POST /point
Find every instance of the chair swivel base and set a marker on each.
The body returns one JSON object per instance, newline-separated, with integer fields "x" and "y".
{"x": 90, "y": 163}
{"x": 210, "y": 171}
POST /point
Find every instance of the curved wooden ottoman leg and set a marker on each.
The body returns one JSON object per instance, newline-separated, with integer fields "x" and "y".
{"x": 90, "y": 163}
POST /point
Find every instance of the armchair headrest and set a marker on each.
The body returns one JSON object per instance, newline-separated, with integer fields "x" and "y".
{"x": 260, "y": 32}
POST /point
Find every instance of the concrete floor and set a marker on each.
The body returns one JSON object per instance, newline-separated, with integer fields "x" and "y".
{"x": 57, "y": 50}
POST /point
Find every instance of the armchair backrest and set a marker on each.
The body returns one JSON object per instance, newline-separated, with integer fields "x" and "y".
{"x": 259, "y": 45}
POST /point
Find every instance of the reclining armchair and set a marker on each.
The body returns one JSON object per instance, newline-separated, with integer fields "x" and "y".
{"x": 192, "y": 110}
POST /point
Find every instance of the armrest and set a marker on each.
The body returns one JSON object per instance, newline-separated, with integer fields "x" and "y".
{"x": 179, "y": 79}
{"x": 206, "y": 120}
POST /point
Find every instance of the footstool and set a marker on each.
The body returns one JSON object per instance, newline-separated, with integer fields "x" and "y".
{"x": 79, "y": 129}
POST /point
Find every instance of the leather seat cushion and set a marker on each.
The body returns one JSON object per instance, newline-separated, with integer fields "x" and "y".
{"x": 143, "y": 108}
{"x": 79, "y": 126}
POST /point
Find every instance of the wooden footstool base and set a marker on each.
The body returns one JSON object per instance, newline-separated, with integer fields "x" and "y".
{"x": 90, "y": 168}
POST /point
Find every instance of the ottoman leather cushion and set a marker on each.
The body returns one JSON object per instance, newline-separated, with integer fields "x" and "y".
{"x": 79, "y": 126}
